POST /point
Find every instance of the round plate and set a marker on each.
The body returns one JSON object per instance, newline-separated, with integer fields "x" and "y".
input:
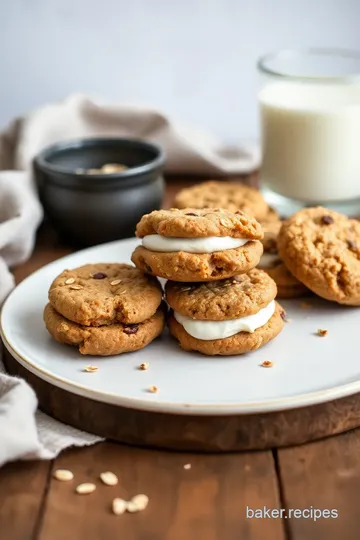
{"x": 307, "y": 369}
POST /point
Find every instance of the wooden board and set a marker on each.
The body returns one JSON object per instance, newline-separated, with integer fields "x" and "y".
{"x": 199, "y": 433}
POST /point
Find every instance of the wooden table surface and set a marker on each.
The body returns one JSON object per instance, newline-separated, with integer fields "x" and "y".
{"x": 206, "y": 502}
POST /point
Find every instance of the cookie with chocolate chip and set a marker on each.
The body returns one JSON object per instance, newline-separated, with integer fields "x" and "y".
{"x": 231, "y": 316}
{"x": 105, "y": 340}
{"x": 239, "y": 296}
{"x": 231, "y": 196}
{"x": 321, "y": 248}
{"x": 105, "y": 293}
{"x": 197, "y": 244}
{"x": 198, "y": 223}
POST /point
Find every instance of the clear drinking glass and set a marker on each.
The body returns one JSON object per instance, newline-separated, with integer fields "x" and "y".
{"x": 310, "y": 129}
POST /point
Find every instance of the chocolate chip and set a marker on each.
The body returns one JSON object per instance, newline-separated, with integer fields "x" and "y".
{"x": 327, "y": 220}
{"x": 283, "y": 315}
{"x": 148, "y": 268}
{"x": 130, "y": 328}
{"x": 352, "y": 245}
{"x": 99, "y": 275}
{"x": 191, "y": 214}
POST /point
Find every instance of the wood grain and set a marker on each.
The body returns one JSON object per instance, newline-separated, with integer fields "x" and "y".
{"x": 324, "y": 475}
{"x": 207, "y": 502}
{"x": 22, "y": 494}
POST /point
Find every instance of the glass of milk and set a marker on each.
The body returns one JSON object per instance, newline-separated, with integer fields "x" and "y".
{"x": 310, "y": 129}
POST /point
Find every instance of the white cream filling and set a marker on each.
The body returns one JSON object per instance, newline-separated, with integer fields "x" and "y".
{"x": 268, "y": 260}
{"x": 209, "y": 244}
{"x": 207, "y": 330}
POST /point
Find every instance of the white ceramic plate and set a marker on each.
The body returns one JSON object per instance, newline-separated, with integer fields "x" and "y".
{"x": 307, "y": 368}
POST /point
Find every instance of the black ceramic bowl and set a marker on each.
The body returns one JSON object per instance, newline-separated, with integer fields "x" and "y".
{"x": 89, "y": 209}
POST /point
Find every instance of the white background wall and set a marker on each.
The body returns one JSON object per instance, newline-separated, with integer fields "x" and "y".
{"x": 194, "y": 59}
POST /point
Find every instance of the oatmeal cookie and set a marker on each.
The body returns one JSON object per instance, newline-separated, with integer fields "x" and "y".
{"x": 321, "y": 248}
{"x": 105, "y": 293}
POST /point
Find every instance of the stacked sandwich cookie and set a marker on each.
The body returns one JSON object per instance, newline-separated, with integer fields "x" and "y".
{"x": 232, "y": 316}
{"x": 197, "y": 245}
{"x": 221, "y": 303}
{"x": 105, "y": 309}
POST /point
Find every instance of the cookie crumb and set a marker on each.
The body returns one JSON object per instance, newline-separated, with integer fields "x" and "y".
{"x": 305, "y": 305}
{"x": 266, "y": 363}
{"x": 327, "y": 220}
{"x": 69, "y": 281}
{"x": 187, "y": 466}
{"x": 153, "y": 389}
{"x": 322, "y": 333}
{"x": 144, "y": 366}
{"x": 90, "y": 369}
{"x": 287, "y": 320}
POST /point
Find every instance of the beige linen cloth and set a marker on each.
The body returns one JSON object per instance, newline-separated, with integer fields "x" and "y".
{"x": 26, "y": 433}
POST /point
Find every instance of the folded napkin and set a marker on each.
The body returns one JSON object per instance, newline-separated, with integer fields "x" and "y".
{"x": 25, "y": 433}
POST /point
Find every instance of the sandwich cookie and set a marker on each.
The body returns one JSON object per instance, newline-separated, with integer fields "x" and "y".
{"x": 197, "y": 244}
{"x": 227, "y": 317}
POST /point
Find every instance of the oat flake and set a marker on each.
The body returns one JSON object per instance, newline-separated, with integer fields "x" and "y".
{"x": 63, "y": 475}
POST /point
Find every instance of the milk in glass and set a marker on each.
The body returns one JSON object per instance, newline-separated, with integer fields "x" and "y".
{"x": 311, "y": 140}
